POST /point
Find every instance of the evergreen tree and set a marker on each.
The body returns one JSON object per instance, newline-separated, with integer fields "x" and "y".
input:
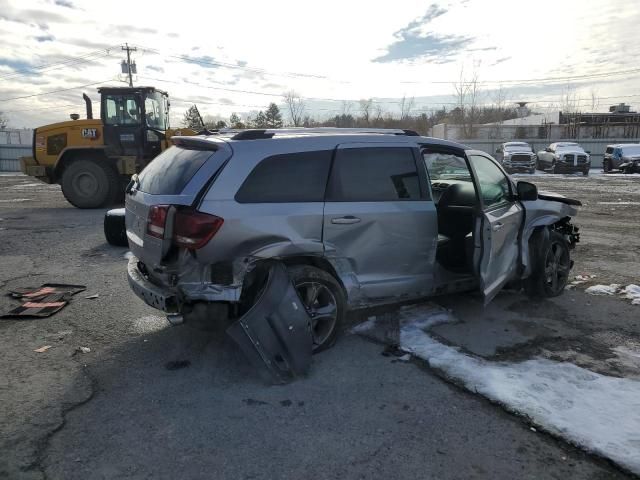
{"x": 273, "y": 118}
{"x": 191, "y": 118}
{"x": 235, "y": 122}
{"x": 260, "y": 121}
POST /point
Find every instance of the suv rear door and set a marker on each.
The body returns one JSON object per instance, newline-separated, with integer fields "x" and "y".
{"x": 500, "y": 221}
{"x": 175, "y": 178}
{"x": 380, "y": 218}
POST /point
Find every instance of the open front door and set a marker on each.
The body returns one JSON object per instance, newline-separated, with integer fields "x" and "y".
{"x": 498, "y": 227}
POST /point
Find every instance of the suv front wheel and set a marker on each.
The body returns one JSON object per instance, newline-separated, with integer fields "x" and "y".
{"x": 551, "y": 264}
{"x": 324, "y": 300}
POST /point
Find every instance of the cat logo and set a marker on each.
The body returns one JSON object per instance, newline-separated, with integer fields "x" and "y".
{"x": 91, "y": 133}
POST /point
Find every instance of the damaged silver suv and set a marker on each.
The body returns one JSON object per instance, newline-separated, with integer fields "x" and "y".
{"x": 357, "y": 217}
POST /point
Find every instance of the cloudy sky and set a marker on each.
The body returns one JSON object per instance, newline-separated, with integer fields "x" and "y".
{"x": 240, "y": 56}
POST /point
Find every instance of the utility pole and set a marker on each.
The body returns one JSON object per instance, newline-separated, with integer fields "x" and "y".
{"x": 128, "y": 67}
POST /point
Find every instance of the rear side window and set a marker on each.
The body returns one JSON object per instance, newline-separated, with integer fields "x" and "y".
{"x": 374, "y": 174}
{"x": 289, "y": 177}
{"x": 169, "y": 172}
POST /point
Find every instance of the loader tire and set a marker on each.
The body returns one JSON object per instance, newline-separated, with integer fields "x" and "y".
{"x": 114, "y": 228}
{"x": 90, "y": 184}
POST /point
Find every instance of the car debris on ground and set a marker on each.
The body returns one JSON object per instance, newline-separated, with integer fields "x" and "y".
{"x": 43, "y": 301}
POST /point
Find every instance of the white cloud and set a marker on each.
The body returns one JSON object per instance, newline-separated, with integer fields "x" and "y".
{"x": 333, "y": 44}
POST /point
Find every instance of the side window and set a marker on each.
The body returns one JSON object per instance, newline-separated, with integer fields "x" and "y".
{"x": 374, "y": 174}
{"x": 290, "y": 177}
{"x": 495, "y": 187}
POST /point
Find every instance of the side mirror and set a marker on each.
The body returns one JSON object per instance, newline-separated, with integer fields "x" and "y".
{"x": 588, "y": 151}
{"x": 527, "y": 191}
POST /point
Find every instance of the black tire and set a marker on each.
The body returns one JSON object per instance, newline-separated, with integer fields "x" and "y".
{"x": 325, "y": 329}
{"x": 90, "y": 183}
{"x": 585, "y": 172}
{"x": 550, "y": 262}
{"x": 532, "y": 171}
{"x": 114, "y": 229}
{"x": 553, "y": 168}
{"x": 606, "y": 166}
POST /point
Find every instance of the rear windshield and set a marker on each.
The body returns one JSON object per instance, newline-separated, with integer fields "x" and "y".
{"x": 517, "y": 146}
{"x": 169, "y": 172}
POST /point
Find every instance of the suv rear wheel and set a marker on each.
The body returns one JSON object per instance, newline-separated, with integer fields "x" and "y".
{"x": 324, "y": 300}
{"x": 551, "y": 263}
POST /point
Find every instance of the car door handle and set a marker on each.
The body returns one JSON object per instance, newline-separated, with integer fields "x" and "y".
{"x": 347, "y": 220}
{"x": 497, "y": 226}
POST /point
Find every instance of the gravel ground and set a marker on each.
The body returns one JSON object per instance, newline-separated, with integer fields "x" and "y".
{"x": 118, "y": 412}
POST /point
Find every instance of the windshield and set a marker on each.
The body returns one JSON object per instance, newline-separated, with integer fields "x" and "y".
{"x": 634, "y": 150}
{"x": 446, "y": 166}
{"x": 569, "y": 146}
{"x": 155, "y": 111}
{"x": 517, "y": 146}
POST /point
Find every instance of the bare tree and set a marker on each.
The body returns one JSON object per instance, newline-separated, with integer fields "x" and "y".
{"x": 378, "y": 114}
{"x": 346, "y": 108}
{"x": 406, "y": 105}
{"x": 295, "y": 106}
{"x": 595, "y": 99}
{"x": 569, "y": 100}
{"x": 366, "y": 105}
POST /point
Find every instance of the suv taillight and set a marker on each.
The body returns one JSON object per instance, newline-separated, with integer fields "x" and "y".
{"x": 156, "y": 220}
{"x": 193, "y": 229}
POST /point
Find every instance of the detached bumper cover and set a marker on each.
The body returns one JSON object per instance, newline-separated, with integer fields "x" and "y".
{"x": 153, "y": 295}
{"x": 276, "y": 332}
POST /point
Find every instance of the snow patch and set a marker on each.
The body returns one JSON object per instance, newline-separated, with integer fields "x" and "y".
{"x": 630, "y": 292}
{"x": 12, "y": 200}
{"x": 597, "y": 412}
{"x": 603, "y": 289}
{"x": 128, "y": 255}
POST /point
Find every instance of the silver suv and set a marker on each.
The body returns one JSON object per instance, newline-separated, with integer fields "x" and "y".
{"x": 357, "y": 217}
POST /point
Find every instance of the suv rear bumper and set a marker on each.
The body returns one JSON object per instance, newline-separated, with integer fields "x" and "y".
{"x": 171, "y": 300}
{"x": 153, "y": 295}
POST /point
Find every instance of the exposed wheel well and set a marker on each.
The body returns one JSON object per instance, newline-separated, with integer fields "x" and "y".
{"x": 254, "y": 280}
{"x": 318, "y": 262}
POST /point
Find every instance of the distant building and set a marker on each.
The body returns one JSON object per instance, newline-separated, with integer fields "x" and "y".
{"x": 619, "y": 123}
{"x": 16, "y": 136}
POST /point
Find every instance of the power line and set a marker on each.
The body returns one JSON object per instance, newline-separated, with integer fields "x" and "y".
{"x": 216, "y": 63}
{"x": 54, "y": 91}
{"x": 566, "y": 78}
{"x": 45, "y": 68}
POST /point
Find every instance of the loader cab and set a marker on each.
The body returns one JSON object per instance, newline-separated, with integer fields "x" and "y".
{"x": 135, "y": 120}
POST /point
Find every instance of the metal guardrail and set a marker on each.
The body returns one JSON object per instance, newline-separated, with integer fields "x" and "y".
{"x": 10, "y": 157}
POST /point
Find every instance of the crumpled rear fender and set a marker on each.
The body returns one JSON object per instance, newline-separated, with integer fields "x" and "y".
{"x": 276, "y": 331}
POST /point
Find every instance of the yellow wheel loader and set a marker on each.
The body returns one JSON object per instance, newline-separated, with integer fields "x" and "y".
{"x": 93, "y": 159}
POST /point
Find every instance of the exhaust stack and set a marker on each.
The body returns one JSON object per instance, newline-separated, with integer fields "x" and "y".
{"x": 87, "y": 100}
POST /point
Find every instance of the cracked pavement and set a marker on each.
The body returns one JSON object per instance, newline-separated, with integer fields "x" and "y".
{"x": 118, "y": 412}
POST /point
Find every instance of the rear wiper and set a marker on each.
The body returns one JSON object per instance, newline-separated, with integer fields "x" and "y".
{"x": 133, "y": 183}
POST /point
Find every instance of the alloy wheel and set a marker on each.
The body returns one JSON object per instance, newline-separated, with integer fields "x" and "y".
{"x": 321, "y": 304}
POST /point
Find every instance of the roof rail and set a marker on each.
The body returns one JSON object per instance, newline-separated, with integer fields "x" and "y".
{"x": 254, "y": 134}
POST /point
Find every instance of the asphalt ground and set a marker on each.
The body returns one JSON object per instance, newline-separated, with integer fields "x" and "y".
{"x": 119, "y": 412}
